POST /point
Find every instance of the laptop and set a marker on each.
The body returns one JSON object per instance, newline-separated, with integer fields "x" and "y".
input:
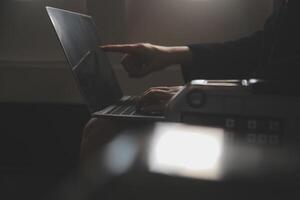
{"x": 91, "y": 68}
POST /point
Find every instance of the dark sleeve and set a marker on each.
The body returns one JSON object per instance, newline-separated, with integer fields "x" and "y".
{"x": 285, "y": 69}
{"x": 229, "y": 60}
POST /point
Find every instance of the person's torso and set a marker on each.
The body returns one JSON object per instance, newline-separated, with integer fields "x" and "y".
{"x": 282, "y": 33}
{"x": 280, "y": 57}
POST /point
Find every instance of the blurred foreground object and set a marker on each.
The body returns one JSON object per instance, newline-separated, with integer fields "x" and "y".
{"x": 173, "y": 160}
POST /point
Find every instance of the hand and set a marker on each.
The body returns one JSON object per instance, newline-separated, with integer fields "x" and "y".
{"x": 143, "y": 58}
{"x": 154, "y": 100}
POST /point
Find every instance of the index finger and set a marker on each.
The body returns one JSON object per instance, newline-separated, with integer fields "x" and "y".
{"x": 122, "y": 48}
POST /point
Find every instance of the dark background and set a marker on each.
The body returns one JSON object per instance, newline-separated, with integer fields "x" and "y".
{"x": 39, "y": 146}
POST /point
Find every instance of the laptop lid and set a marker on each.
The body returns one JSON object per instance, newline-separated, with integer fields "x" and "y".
{"x": 90, "y": 66}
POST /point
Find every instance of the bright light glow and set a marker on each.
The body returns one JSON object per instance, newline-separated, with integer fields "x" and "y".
{"x": 216, "y": 82}
{"x": 120, "y": 154}
{"x": 184, "y": 150}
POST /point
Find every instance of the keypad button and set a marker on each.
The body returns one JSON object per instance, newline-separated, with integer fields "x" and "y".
{"x": 262, "y": 139}
{"x": 251, "y": 138}
{"x": 252, "y": 124}
{"x": 274, "y": 126}
{"x": 274, "y": 139}
{"x": 230, "y": 123}
{"x": 229, "y": 135}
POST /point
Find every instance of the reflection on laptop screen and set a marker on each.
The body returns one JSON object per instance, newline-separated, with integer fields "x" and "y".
{"x": 94, "y": 81}
{"x": 90, "y": 66}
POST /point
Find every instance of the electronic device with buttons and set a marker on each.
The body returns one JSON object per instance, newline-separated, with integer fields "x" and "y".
{"x": 237, "y": 106}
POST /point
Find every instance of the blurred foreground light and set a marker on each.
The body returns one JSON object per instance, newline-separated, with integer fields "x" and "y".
{"x": 120, "y": 154}
{"x": 184, "y": 150}
{"x": 216, "y": 82}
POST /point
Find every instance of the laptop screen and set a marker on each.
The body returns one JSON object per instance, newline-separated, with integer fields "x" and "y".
{"x": 90, "y": 66}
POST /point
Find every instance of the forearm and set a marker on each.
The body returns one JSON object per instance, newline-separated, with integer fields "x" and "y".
{"x": 230, "y": 60}
{"x": 181, "y": 55}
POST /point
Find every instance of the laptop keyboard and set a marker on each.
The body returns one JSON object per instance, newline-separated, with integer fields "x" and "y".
{"x": 126, "y": 107}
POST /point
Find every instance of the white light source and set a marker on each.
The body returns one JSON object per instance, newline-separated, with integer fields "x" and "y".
{"x": 186, "y": 151}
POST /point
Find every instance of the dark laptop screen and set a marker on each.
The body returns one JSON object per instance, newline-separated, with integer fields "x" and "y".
{"x": 90, "y": 66}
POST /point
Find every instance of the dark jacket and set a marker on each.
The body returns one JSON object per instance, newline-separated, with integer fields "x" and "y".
{"x": 268, "y": 54}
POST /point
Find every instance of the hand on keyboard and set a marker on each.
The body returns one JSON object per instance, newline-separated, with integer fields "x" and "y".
{"x": 154, "y": 100}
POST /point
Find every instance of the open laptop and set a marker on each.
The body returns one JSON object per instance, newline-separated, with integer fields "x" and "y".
{"x": 91, "y": 68}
